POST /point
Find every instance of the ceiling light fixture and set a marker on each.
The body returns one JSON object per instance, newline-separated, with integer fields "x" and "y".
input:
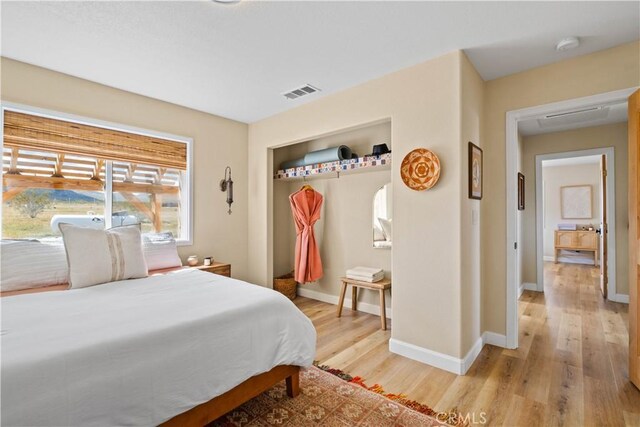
{"x": 227, "y": 1}
{"x": 567, "y": 43}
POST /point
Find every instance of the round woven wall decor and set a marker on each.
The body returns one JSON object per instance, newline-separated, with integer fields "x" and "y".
{"x": 420, "y": 169}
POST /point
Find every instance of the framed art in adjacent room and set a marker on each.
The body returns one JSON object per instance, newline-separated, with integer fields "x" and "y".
{"x": 520, "y": 192}
{"x": 576, "y": 202}
{"x": 475, "y": 171}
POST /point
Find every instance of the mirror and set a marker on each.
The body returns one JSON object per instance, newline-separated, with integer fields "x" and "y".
{"x": 382, "y": 223}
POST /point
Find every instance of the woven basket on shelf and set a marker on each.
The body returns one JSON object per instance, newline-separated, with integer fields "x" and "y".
{"x": 286, "y": 285}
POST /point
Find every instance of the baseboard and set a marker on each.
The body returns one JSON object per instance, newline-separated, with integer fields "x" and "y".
{"x": 333, "y": 299}
{"x": 527, "y": 286}
{"x": 492, "y": 338}
{"x": 520, "y": 290}
{"x": 472, "y": 354}
{"x": 620, "y": 298}
{"x": 430, "y": 357}
{"x": 530, "y": 286}
{"x": 444, "y": 361}
{"x": 548, "y": 258}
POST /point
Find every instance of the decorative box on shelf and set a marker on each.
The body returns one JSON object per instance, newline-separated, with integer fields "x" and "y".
{"x": 333, "y": 167}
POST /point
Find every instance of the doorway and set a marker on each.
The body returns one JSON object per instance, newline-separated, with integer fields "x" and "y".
{"x": 570, "y": 181}
{"x": 590, "y": 105}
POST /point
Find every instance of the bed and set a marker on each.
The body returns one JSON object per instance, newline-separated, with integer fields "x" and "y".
{"x": 180, "y": 348}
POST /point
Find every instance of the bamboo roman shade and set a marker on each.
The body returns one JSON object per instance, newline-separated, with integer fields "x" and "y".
{"x": 32, "y": 132}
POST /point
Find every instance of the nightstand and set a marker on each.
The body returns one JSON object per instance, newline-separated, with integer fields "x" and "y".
{"x": 220, "y": 268}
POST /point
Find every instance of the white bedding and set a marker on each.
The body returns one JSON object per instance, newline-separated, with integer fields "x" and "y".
{"x": 138, "y": 352}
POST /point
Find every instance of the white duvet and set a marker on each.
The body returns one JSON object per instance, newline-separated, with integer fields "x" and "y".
{"x": 138, "y": 352}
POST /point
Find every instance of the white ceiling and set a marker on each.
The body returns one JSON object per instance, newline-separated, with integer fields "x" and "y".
{"x": 572, "y": 161}
{"x": 615, "y": 113}
{"x": 235, "y": 60}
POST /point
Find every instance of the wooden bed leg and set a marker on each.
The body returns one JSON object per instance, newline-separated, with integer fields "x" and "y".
{"x": 293, "y": 384}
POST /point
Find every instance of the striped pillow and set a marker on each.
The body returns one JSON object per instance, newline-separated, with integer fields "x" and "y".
{"x": 26, "y": 264}
{"x": 101, "y": 256}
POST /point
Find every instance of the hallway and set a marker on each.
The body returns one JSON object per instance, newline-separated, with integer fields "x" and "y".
{"x": 574, "y": 343}
{"x": 571, "y": 367}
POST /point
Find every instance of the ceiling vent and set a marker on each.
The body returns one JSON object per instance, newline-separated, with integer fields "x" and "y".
{"x": 572, "y": 117}
{"x": 301, "y": 91}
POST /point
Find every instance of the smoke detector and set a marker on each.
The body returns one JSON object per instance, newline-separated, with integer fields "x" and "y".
{"x": 567, "y": 43}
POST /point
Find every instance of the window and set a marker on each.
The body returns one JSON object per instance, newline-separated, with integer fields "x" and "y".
{"x": 157, "y": 208}
{"x": 61, "y": 169}
{"x": 31, "y": 209}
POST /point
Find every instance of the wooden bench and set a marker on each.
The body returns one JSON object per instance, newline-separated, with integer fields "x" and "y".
{"x": 380, "y": 286}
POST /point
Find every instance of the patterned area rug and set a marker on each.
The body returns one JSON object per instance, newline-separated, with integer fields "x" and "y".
{"x": 329, "y": 398}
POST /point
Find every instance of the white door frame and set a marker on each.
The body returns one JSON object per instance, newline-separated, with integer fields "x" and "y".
{"x": 611, "y": 213}
{"x": 511, "y": 147}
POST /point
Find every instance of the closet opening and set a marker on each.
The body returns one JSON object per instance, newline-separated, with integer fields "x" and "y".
{"x": 352, "y": 227}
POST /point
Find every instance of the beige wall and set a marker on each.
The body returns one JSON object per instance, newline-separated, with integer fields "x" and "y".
{"x": 613, "y": 135}
{"x": 556, "y": 177}
{"x": 472, "y": 93}
{"x": 218, "y": 142}
{"x": 344, "y": 231}
{"x": 600, "y": 72}
{"x": 424, "y": 105}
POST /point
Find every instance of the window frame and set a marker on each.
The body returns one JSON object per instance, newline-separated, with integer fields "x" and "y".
{"x": 186, "y": 183}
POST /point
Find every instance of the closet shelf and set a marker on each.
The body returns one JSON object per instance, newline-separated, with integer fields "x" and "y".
{"x": 360, "y": 164}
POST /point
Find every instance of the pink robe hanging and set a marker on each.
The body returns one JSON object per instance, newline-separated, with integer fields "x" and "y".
{"x": 305, "y": 207}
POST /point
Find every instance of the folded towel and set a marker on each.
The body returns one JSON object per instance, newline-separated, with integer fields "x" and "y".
{"x": 370, "y": 279}
{"x": 366, "y": 279}
{"x": 365, "y": 271}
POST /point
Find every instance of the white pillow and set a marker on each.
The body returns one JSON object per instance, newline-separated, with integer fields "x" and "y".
{"x": 101, "y": 256}
{"x": 386, "y": 228}
{"x": 377, "y": 232}
{"x": 26, "y": 264}
{"x": 160, "y": 251}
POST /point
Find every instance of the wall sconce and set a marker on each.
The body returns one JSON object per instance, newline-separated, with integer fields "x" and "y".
{"x": 227, "y": 185}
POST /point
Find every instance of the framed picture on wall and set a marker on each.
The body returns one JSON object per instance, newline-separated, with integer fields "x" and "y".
{"x": 475, "y": 172}
{"x": 520, "y": 192}
{"x": 576, "y": 202}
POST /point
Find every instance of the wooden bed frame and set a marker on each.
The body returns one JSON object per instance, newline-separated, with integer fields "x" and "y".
{"x": 209, "y": 411}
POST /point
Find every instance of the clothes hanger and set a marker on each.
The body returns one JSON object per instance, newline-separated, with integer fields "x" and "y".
{"x": 306, "y": 187}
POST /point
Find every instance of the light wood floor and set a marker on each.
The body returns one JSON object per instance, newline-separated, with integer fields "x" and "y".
{"x": 571, "y": 367}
